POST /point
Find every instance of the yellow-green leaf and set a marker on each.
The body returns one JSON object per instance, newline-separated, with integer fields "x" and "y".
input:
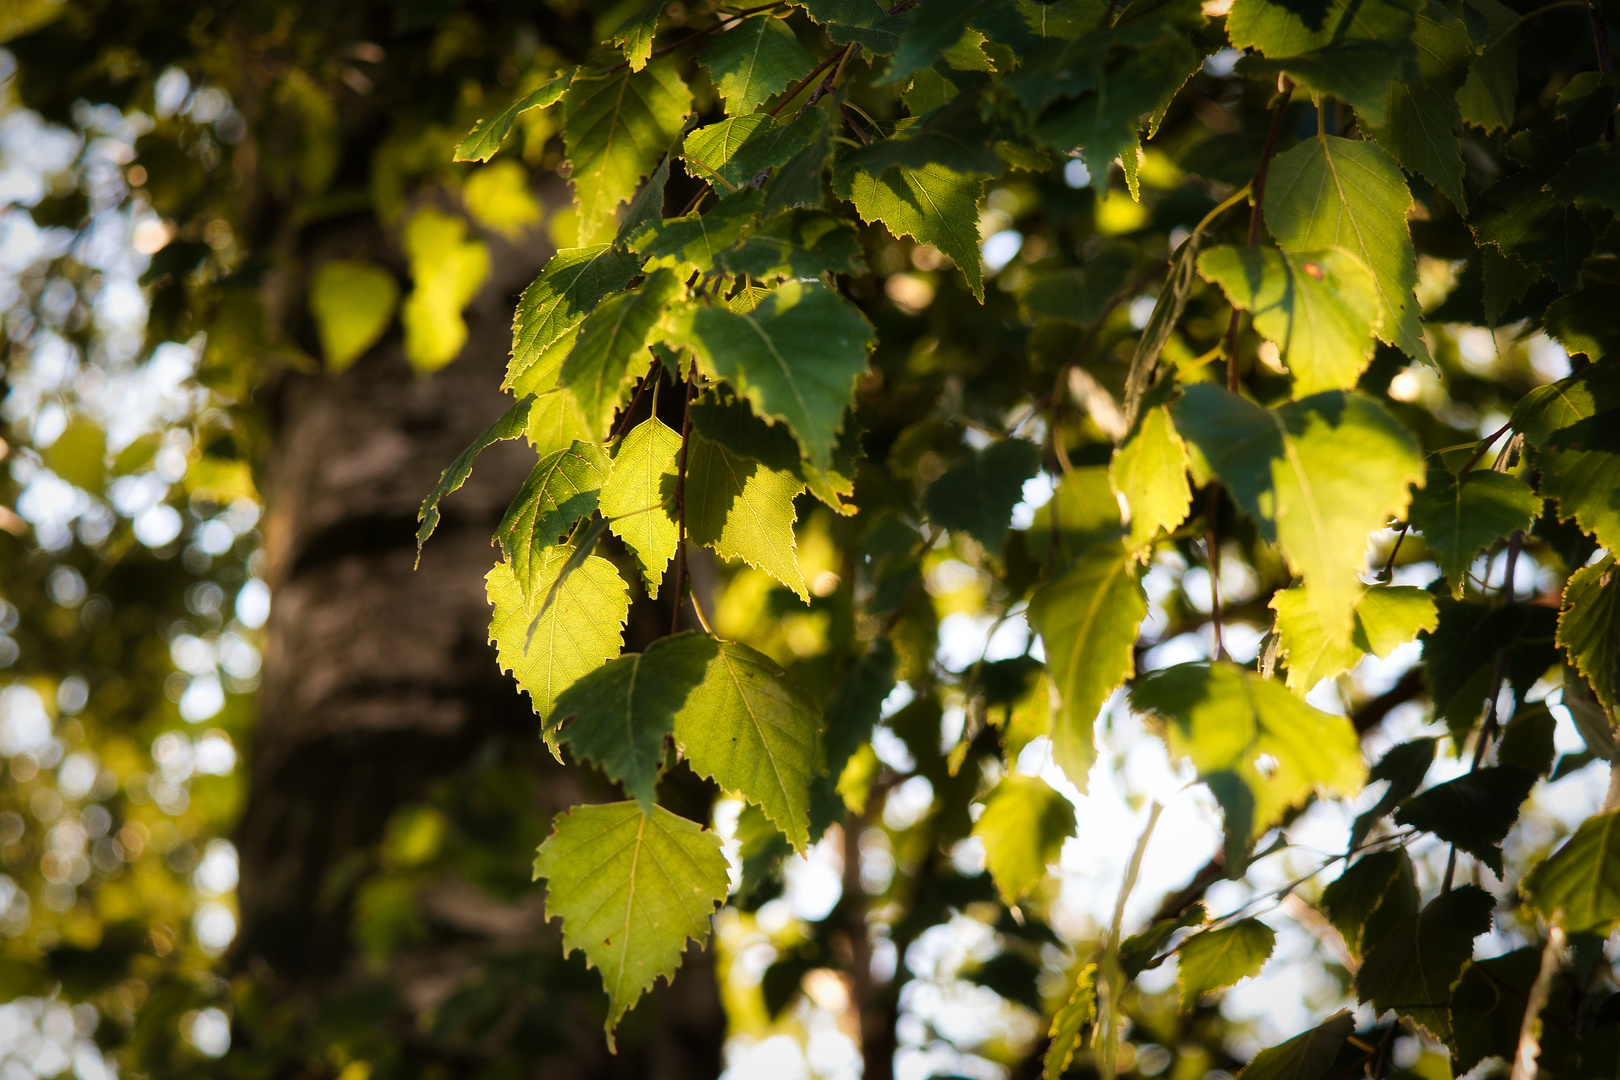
{"x": 353, "y": 302}
{"x": 446, "y": 271}
{"x": 611, "y": 350}
{"x": 1215, "y": 959}
{"x": 743, "y": 510}
{"x": 619, "y": 126}
{"x": 630, "y": 888}
{"x": 1023, "y": 828}
{"x": 637, "y": 497}
{"x": 1385, "y": 618}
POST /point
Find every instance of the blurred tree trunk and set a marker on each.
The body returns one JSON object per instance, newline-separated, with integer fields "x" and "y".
{"x": 378, "y": 678}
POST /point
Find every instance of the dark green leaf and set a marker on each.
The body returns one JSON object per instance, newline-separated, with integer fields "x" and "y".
{"x": 1373, "y": 896}
{"x": 1404, "y": 766}
{"x": 1413, "y": 969}
{"x": 797, "y": 244}
{"x": 690, "y": 244}
{"x": 977, "y": 497}
{"x": 1459, "y": 516}
{"x": 487, "y": 135}
{"x": 619, "y": 715}
{"x": 1474, "y": 811}
{"x": 1306, "y": 1056}
{"x": 1589, "y": 629}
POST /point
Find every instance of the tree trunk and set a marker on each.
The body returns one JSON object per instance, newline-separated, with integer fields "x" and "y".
{"x": 378, "y": 681}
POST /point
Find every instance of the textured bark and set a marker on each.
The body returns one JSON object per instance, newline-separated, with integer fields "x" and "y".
{"x": 378, "y": 679}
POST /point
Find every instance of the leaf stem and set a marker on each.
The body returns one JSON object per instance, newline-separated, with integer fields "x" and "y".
{"x": 680, "y": 504}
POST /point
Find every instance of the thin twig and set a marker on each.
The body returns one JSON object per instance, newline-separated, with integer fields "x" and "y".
{"x": 802, "y": 83}
{"x": 827, "y": 84}
{"x": 680, "y": 500}
{"x": 1212, "y": 506}
{"x": 652, "y": 378}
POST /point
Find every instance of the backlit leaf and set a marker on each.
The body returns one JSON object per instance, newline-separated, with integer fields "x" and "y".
{"x": 753, "y": 61}
{"x": 1385, "y": 618}
{"x": 636, "y": 497}
{"x": 1459, "y": 516}
{"x": 1150, "y": 470}
{"x": 740, "y": 148}
{"x": 562, "y": 488}
{"x": 1023, "y": 828}
{"x": 635, "y": 35}
{"x": 1317, "y": 475}
{"x": 555, "y": 422}
{"x": 797, "y": 244}
{"x": 486, "y": 136}
{"x": 752, "y": 729}
{"x": 1580, "y": 883}
{"x": 795, "y": 357}
{"x": 1319, "y": 309}
{"x": 689, "y": 244}
{"x": 1224, "y": 720}
{"x": 1413, "y": 969}
{"x": 932, "y": 205}
{"x": 1350, "y": 50}
{"x": 353, "y": 302}
{"x": 630, "y": 888}
{"x": 511, "y": 424}
{"x": 1088, "y": 620}
{"x": 1215, "y": 959}
{"x": 743, "y": 509}
{"x": 572, "y": 285}
{"x": 577, "y": 634}
{"x": 1422, "y": 117}
{"x": 1082, "y": 511}
{"x": 1338, "y": 193}
{"x": 619, "y": 715}
{"x": 1573, "y": 423}
{"x": 1078, "y": 1011}
{"x": 1589, "y": 629}
{"x": 611, "y": 351}
{"x": 619, "y": 125}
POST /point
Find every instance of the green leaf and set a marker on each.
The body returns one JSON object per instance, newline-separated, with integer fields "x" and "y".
{"x": 487, "y": 135}
{"x": 573, "y": 284}
{"x": 1589, "y": 629}
{"x": 635, "y": 498}
{"x": 1413, "y": 969}
{"x": 1318, "y": 308}
{"x": 1307, "y": 1056}
{"x": 1316, "y": 475}
{"x": 1579, "y": 885}
{"x": 1422, "y": 115}
{"x": 630, "y": 888}
{"x": 611, "y": 351}
{"x": 1356, "y": 71}
{"x": 1474, "y": 811}
{"x": 1522, "y": 221}
{"x": 953, "y": 137}
{"x": 797, "y": 244}
{"x": 795, "y": 357}
{"x": 635, "y": 35}
{"x": 1224, "y": 719}
{"x": 1215, "y": 959}
{"x": 798, "y": 181}
{"x": 740, "y": 148}
{"x": 753, "y": 61}
{"x": 555, "y": 422}
{"x": 1459, "y": 516}
{"x": 1104, "y": 122}
{"x": 577, "y": 634}
{"x": 1584, "y": 322}
{"x": 1337, "y": 193}
{"x": 618, "y": 127}
{"x": 689, "y": 244}
{"x": 352, "y": 302}
{"x": 1573, "y": 423}
{"x": 753, "y": 730}
{"x": 1078, "y": 1011}
{"x": 1088, "y": 620}
{"x": 1527, "y": 742}
{"x": 932, "y": 205}
{"x": 1460, "y": 654}
{"x": 447, "y": 270}
{"x": 1371, "y": 898}
{"x": 1488, "y": 1005}
{"x": 847, "y": 722}
{"x": 1593, "y": 175}
{"x": 977, "y": 497}
{"x": 646, "y": 210}
{"x": 743, "y": 510}
{"x": 619, "y": 715}
{"x": 1292, "y": 30}
{"x": 1023, "y": 828}
{"x": 1082, "y": 511}
{"x": 1385, "y": 617}
{"x": 562, "y": 488}
{"x": 1489, "y": 97}
{"x": 864, "y": 22}
{"x": 1403, "y": 767}
{"x": 1149, "y": 470}
{"x": 511, "y": 424}
{"x": 926, "y": 39}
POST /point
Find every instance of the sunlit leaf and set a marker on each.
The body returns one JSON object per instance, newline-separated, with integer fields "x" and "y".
{"x": 573, "y": 284}
{"x": 562, "y": 488}
{"x": 611, "y": 350}
{"x": 353, "y": 302}
{"x": 619, "y": 126}
{"x": 1023, "y": 828}
{"x": 636, "y": 497}
{"x": 753, "y": 61}
{"x": 1215, "y": 959}
{"x": 1580, "y": 883}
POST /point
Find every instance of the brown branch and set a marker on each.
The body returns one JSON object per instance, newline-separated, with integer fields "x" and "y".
{"x": 802, "y": 83}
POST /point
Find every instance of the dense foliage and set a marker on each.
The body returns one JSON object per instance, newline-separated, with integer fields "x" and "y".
{"x": 1300, "y": 315}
